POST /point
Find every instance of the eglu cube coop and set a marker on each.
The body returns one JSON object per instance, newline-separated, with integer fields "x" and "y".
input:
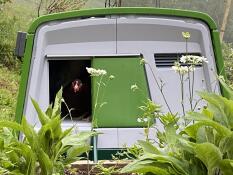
{"x": 59, "y": 47}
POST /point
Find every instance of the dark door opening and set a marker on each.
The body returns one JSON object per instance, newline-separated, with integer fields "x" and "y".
{"x": 76, "y": 83}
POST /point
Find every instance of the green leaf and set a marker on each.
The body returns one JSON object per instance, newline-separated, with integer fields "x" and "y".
{"x": 29, "y": 156}
{"x": 74, "y": 152}
{"x": 221, "y": 107}
{"x": 207, "y": 113}
{"x": 226, "y": 166}
{"x": 226, "y": 88}
{"x": 146, "y": 166}
{"x": 186, "y": 145}
{"x": 193, "y": 129}
{"x": 12, "y": 125}
{"x": 77, "y": 139}
{"x": 46, "y": 164}
{"x": 210, "y": 155}
{"x": 148, "y": 147}
{"x": 41, "y": 115}
{"x": 49, "y": 111}
{"x": 33, "y": 140}
{"x": 49, "y": 134}
{"x": 57, "y": 104}
{"x": 178, "y": 166}
{"x": 30, "y": 134}
{"x": 226, "y": 146}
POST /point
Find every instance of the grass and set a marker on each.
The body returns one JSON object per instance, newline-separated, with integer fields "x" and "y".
{"x": 9, "y": 83}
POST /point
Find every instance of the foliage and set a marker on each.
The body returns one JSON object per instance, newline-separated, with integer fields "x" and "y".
{"x": 46, "y": 151}
{"x": 9, "y": 82}
{"x": 13, "y": 18}
{"x": 2, "y": 2}
{"x": 106, "y": 170}
{"x": 51, "y": 6}
{"x": 227, "y": 49}
{"x": 7, "y": 33}
{"x": 202, "y": 147}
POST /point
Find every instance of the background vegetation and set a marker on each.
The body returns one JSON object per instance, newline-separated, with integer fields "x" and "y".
{"x": 16, "y": 15}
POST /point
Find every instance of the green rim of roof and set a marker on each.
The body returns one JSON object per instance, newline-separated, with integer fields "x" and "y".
{"x": 123, "y": 11}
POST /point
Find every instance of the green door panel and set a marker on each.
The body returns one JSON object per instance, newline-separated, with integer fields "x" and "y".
{"x": 121, "y": 104}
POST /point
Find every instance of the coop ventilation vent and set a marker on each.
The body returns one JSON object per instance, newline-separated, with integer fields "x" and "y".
{"x": 168, "y": 60}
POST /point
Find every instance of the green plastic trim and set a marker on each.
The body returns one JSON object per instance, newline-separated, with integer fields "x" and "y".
{"x": 24, "y": 78}
{"x": 123, "y": 11}
{"x": 217, "y": 47}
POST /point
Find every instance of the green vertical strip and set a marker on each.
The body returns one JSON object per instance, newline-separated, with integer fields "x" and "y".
{"x": 219, "y": 58}
{"x": 120, "y": 104}
{"x": 24, "y": 78}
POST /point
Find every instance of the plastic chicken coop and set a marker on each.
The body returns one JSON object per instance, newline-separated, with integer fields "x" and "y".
{"x": 58, "y": 47}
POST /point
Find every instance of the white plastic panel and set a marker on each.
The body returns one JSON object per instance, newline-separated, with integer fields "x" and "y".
{"x": 127, "y": 137}
{"x": 121, "y": 137}
{"x": 108, "y": 138}
{"x": 150, "y": 36}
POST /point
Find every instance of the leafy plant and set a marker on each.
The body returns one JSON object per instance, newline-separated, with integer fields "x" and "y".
{"x": 204, "y": 147}
{"x": 46, "y": 151}
{"x": 227, "y": 49}
{"x": 103, "y": 170}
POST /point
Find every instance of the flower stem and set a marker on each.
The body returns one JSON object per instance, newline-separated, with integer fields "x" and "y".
{"x": 182, "y": 92}
{"x": 160, "y": 88}
{"x": 190, "y": 91}
{"x": 96, "y": 101}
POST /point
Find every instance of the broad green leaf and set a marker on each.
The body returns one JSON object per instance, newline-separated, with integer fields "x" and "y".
{"x": 67, "y": 132}
{"x": 226, "y": 88}
{"x": 49, "y": 134}
{"x": 77, "y": 139}
{"x": 44, "y": 160}
{"x": 57, "y": 104}
{"x": 10, "y": 124}
{"x": 146, "y": 166}
{"x": 28, "y": 155}
{"x": 148, "y": 147}
{"x": 221, "y": 107}
{"x": 207, "y": 113}
{"x": 30, "y": 134}
{"x": 46, "y": 164}
{"x": 226, "y": 166}
{"x": 197, "y": 116}
{"x": 205, "y": 134}
{"x": 226, "y": 146}
{"x": 171, "y": 135}
{"x": 186, "y": 145}
{"x": 210, "y": 155}
{"x": 74, "y": 152}
{"x": 193, "y": 129}
{"x": 49, "y": 111}
{"x": 177, "y": 165}
{"x": 41, "y": 115}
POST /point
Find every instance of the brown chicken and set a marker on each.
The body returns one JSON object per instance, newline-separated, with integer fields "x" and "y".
{"x": 77, "y": 95}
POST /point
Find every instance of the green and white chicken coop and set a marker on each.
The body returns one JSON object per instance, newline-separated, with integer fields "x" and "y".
{"x": 59, "y": 46}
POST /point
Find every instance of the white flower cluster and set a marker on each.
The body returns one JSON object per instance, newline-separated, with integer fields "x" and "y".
{"x": 193, "y": 59}
{"x": 142, "y": 120}
{"x": 180, "y": 69}
{"x": 142, "y": 61}
{"x": 111, "y": 77}
{"x": 96, "y": 72}
{"x": 186, "y": 35}
{"x": 134, "y": 87}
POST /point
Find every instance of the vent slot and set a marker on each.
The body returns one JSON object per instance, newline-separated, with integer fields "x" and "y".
{"x": 168, "y": 59}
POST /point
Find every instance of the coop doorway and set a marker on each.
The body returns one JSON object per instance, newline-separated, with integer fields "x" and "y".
{"x": 71, "y": 75}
